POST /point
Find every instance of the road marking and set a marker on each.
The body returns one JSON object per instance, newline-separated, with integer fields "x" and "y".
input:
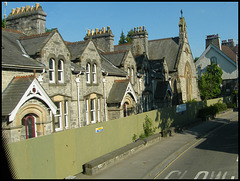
{"x": 237, "y": 159}
{"x": 183, "y": 174}
{"x": 232, "y": 177}
{"x": 176, "y": 158}
{"x": 178, "y": 172}
{"x": 199, "y": 173}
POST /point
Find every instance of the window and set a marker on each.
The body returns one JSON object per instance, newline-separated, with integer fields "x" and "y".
{"x": 66, "y": 114}
{"x": 29, "y": 127}
{"x": 99, "y": 110}
{"x": 58, "y": 120}
{"x": 88, "y": 73}
{"x": 60, "y": 71}
{"x": 128, "y": 72}
{"x": 132, "y": 76}
{"x": 213, "y": 59}
{"x": 94, "y": 73}
{"x": 87, "y": 118}
{"x": 92, "y": 109}
{"x": 52, "y": 70}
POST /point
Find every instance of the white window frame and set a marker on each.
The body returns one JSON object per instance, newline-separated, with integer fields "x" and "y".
{"x": 66, "y": 114}
{"x": 99, "y": 109}
{"x": 88, "y": 68}
{"x": 59, "y": 117}
{"x": 52, "y": 71}
{"x": 87, "y": 115}
{"x": 93, "y": 110}
{"x": 128, "y": 72}
{"x": 94, "y": 73}
{"x": 61, "y": 78}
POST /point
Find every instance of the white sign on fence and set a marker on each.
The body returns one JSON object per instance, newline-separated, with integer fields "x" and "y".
{"x": 181, "y": 108}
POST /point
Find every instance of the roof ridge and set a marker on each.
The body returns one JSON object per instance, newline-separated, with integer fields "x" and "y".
{"x": 69, "y": 43}
{"x": 123, "y": 44}
{"x": 12, "y": 30}
{"x": 23, "y": 76}
{"x": 35, "y": 35}
{"x": 163, "y": 39}
{"x": 122, "y": 80}
{"x": 119, "y": 51}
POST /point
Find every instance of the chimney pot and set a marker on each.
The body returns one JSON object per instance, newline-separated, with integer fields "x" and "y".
{"x": 96, "y": 30}
{"x": 88, "y": 32}
{"x": 31, "y": 8}
{"x": 100, "y": 31}
{"x": 134, "y": 29}
{"x": 104, "y": 29}
{"x": 22, "y": 9}
{"x": 143, "y": 28}
{"x": 37, "y": 5}
{"x": 13, "y": 11}
{"x": 137, "y": 29}
{"x": 18, "y": 9}
{"x": 140, "y": 29}
{"x": 108, "y": 28}
{"x": 92, "y": 31}
{"x": 27, "y": 8}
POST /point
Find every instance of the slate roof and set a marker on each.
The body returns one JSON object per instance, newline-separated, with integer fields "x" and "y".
{"x": 12, "y": 55}
{"x": 110, "y": 68}
{"x": 126, "y": 46}
{"x": 14, "y": 92}
{"x": 117, "y": 91}
{"x": 168, "y": 48}
{"x": 76, "y": 68}
{"x": 76, "y": 48}
{"x": 116, "y": 57}
{"x": 33, "y": 43}
{"x": 161, "y": 89}
{"x": 229, "y": 52}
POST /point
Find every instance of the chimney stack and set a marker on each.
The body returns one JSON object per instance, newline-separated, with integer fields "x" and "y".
{"x": 213, "y": 39}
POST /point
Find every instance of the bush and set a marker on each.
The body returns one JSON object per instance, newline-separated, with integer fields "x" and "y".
{"x": 208, "y": 111}
{"x": 221, "y": 106}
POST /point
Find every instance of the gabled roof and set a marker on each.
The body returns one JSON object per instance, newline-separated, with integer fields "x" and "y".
{"x": 34, "y": 43}
{"x": 119, "y": 90}
{"x": 211, "y": 46}
{"x": 125, "y": 46}
{"x": 116, "y": 57}
{"x": 168, "y": 48}
{"x": 77, "y": 48}
{"x": 111, "y": 69}
{"x": 229, "y": 52}
{"x": 19, "y": 90}
{"x": 13, "y": 55}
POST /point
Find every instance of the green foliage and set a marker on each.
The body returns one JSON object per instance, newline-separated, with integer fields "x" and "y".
{"x": 196, "y": 59}
{"x": 124, "y": 39}
{"x": 212, "y": 110}
{"x": 194, "y": 100}
{"x": 209, "y": 83}
{"x": 134, "y": 137}
{"x": 4, "y": 24}
{"x": 221, "y": 106}
{"x": 129, "y": 36}
{"x": 48, "y": 30}
{"x": 147, "y": 127}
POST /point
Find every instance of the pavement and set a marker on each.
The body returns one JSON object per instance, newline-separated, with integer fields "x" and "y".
{"x": 149, "y": 161}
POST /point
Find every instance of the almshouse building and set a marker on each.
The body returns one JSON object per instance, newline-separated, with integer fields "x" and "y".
{"x": 50, "y": 85}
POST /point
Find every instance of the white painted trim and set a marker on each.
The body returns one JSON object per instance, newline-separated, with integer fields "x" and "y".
{"x": 131, "y": 91}
{"x": 29, "y": 94}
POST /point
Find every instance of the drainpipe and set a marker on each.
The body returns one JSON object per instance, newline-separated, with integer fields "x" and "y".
{"x": 105, "y": 101}
{"x": 78, "y": 98}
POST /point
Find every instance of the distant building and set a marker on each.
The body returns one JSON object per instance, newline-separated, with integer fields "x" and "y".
{"x": 226, "y": 56}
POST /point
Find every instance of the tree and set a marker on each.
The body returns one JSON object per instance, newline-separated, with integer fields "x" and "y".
{"x": 4, "y": 23}
{"x": 129, "y": 36}
{"x": 122, "y": 39}
{"x": 196, "y": 58}
{"x": 209, "y": 83}
{"x": 48, "y": 30}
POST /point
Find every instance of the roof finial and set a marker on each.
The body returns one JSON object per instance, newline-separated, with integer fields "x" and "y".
{"x": 181, "y": 13}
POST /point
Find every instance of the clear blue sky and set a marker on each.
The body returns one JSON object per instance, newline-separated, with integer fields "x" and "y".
{"x": 160, "y": 19}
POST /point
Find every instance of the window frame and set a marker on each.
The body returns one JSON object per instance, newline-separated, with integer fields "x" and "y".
{"x": 94, "y": 73}
{"x": 59, "y": 107}
{"x": 61, "y": 71}
{"x": 99, "y": 109}
{"x": 52, "y": 70}
{"x": 88, "y": 71}
{"x": 66, "y": 114}
{"x": 93, "y": 110}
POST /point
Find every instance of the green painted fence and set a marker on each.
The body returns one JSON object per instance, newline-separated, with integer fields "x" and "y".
{"x": 63, "y": 153}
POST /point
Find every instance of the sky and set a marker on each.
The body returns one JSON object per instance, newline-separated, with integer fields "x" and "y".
{"x": 73, "y": 19}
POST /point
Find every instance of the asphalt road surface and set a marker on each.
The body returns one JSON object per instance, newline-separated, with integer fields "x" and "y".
{"x": 213, "y": 157}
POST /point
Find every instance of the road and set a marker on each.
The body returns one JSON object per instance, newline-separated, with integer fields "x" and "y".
{"x": 213, "y": 157}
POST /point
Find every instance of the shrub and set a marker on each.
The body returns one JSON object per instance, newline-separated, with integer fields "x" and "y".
{"x": 208, "y": 111}
{"x": 221, "y": 106}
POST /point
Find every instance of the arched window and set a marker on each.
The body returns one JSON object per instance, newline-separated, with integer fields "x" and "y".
{"x": 29, "y": 127}
{"x": 60, "y": 71}
{"x": 88, "y": 73}
{"x": 94, "y": 73}
{"x": 52, "y": 70}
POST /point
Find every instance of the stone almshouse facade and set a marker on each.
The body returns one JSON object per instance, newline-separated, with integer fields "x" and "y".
{"x": 50, "y": 85}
